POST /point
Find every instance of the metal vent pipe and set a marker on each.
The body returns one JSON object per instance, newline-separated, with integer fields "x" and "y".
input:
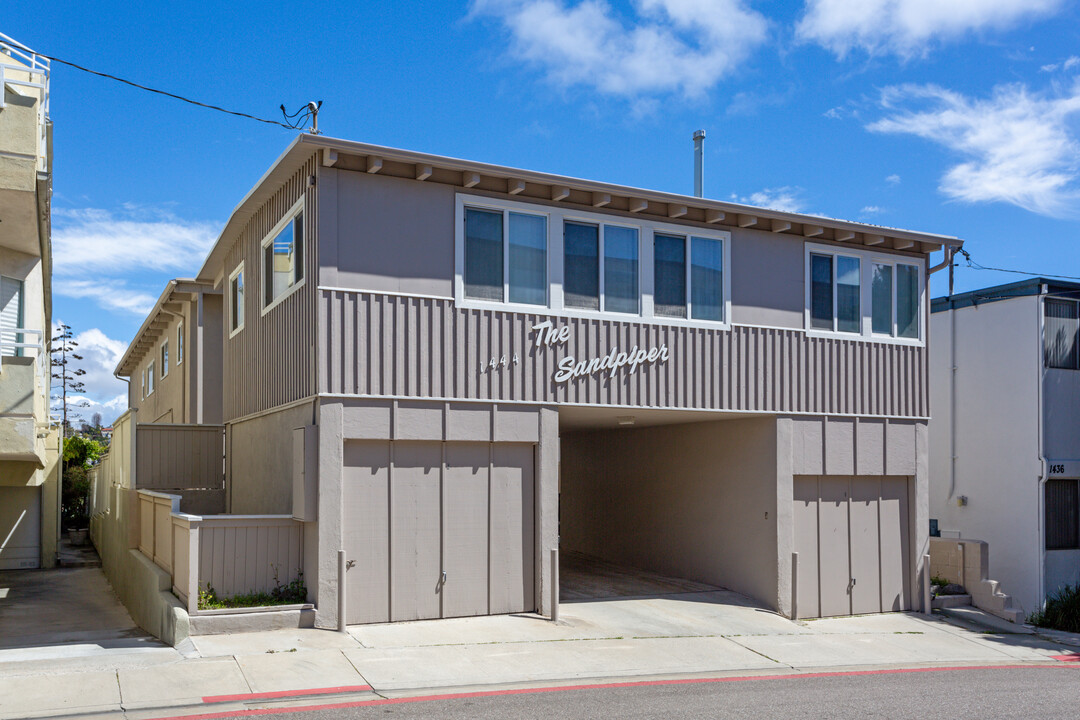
{"x": 699, "y": 163}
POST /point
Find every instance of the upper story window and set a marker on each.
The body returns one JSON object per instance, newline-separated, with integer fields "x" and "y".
{"x": 180, "y": 342}
{"x": 863, "y": 294}
{"x": 582, "y": 262}
{"x": 505, "y": 256}
{"x": 143, "y": 378}
{"x": 164, "y": 358}
{"x": 283, "y": 256}
{"x": 1061, "y": 333}
{"x": 150, "y": 379}
{"x": 11, "y": 316}
{"x": 236, "y": 300}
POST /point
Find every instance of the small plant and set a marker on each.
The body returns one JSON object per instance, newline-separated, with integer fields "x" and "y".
{"x": 939, "y": 581}
{"x": 292, "y": 593}
{"x": 1062, "y": 611}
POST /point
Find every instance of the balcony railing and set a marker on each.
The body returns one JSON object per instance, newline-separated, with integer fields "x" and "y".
{"x": 31, "y": 71}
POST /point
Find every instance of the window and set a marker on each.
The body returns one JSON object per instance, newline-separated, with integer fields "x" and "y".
{"x": 1062, "y": 515}
{"x": 150, "y": 379}
{"x": 283, "y": 258}
{"x": 236, "y": 300}
{"x": 143, "y": 378}
{"x": 581, "y": 266}
{"x": 669, "y": 275}
{"x": 621, "y": 269}
{"x": 862, "y": 294}
{"x": 505, "y": 256}
{"x": 180, "y": 342}
{"x": 835, "y": 296}
{"x": 164, "y": 358}
{"x": 1061, "y": 333}
{"x": 578, "y": 261}
{"x": 11, "y": 316}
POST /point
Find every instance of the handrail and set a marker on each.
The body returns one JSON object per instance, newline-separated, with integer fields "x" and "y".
{"x": 38, "y": 65}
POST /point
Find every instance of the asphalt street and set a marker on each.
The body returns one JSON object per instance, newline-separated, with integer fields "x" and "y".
{"x": 1032, "y": 692}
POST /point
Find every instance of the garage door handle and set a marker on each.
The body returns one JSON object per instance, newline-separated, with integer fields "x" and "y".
{"x": 444, "y": 577}
{"x": 852, "y": 581}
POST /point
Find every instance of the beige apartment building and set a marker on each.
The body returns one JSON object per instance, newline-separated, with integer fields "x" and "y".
{"x": 449, "y": 369}
{"x": 29, "y": 443}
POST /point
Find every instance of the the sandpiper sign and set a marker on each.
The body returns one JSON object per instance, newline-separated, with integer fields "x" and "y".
{"x": 570, "y": 368}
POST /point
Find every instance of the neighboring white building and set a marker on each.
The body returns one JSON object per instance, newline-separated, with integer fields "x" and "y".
{"x": 29, "y": 445}
{"x": 1005, "y": 435}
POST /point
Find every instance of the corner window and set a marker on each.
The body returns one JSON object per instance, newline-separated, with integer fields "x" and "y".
{"x": 505, "y": 256}
{"x": 1062, "y": 515}
{"x": 180, "y": 342}
{"x": 1061, "y": 333}
{"x": 283, "y": 257}
{"x": 150, "y": 379}
{"x": 862, "y": 294}
{"x": 236, "y": 300}
{"x": 164, "y": 358}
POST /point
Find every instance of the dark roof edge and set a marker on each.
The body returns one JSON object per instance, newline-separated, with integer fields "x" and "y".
{"x": 1009, "y": 291}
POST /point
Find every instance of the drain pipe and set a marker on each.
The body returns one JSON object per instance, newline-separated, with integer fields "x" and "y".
{"x": 699, "y": 163}
{"x": 950, "y": 255}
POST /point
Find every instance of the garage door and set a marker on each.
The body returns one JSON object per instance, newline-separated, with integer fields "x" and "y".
{"x": 851, "y": 534}
{"x": 437, "y": 529}
{"x": 20, "y": 528}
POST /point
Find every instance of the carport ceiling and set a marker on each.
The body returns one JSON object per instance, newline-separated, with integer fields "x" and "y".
{"x": 573, "y": 418}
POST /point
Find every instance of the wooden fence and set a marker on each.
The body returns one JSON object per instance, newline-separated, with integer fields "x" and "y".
{"x": 180, "y": 456}
{"x": 234, "y": 554}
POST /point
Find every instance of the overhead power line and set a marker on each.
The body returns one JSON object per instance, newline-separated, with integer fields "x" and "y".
{"x": 293, "y": 122}
{"x": 976, "y": 266}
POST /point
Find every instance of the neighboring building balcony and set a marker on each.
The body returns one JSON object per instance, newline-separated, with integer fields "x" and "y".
{"x": 24, "y": 390}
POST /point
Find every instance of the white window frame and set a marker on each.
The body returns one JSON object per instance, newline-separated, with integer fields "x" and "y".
{"x": 556, "y": 218}
{"x": 163, "y": 356}
{"x": 142, "y": 376}
{"x": 867, "y": 260}
{"x": 233, "y": 331}
{"x": 180, "y": 342}
{"x": 150, "y": 379}
{"x": 296, "y": 210}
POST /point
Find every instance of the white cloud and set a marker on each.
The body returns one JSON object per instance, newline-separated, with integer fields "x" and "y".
{"x": 661, "y": 46}
{"x": 104, "y": 392}
{"x": 893, "y": 179}
{"x": 111, "y": 294}
{"x": 784, "y": 199}
{"x": 870, "y": 210}
{"x": 1071, "y": 62}
{"x": 92, "y": 239}
{"x": 1016, "y": 146}
{"x": 909, "y": 28}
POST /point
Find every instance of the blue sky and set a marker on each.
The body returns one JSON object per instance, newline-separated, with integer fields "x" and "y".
{"x": 959, "y": 117}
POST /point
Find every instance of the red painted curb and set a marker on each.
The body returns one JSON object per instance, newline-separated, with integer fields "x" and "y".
{"x": 286, "y": 693}
{"x": 1071, "y": 657}
{"x": 593, "y": 686}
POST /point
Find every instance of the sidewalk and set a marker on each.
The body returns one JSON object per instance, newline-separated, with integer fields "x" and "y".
{"x": 675, "y": 635}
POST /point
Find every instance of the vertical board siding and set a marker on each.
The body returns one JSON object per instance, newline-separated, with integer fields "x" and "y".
{"x": 269, "y": 362}
{"x": 180, "y": 456}
{"x": 239, "y": 555}
{"x": 390, "y": 345}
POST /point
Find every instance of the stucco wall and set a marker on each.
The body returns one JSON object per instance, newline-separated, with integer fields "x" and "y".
{"x": 259, "y": 467}
{"x": 167, "y": 404}
{"x": 998, "y": 360}
{"x": 697, "y": 501}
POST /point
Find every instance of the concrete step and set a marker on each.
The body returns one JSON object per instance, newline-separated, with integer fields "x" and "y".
{"x": 950, "y": 601}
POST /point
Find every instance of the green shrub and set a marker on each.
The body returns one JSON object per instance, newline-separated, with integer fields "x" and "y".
{"x": 291, "y": 593}
{"x": 1062, "y": 611}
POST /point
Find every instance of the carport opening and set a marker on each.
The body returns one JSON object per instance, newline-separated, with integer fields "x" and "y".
{"x": 657, "y": 502}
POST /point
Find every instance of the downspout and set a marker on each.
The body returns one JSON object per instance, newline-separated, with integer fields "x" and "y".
{"x": 950, "y": 254}
{"x": 1041, "y": 500}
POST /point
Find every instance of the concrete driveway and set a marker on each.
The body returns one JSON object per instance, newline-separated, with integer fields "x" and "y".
{"x": 51, "y": 615}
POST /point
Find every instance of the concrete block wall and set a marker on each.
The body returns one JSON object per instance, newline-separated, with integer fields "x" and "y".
{"x": 967, "y": 563}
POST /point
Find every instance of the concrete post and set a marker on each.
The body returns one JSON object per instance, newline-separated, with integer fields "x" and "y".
{"x": 341, "y": 591}
{"x": 927, "y": 610}
{"x": 555, "y": 585}
{"x": 794, "y": 586}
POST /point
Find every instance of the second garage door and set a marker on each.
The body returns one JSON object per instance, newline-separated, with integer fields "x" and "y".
{"x": 437, "y": 529}
{"x": 851, "y": 534}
